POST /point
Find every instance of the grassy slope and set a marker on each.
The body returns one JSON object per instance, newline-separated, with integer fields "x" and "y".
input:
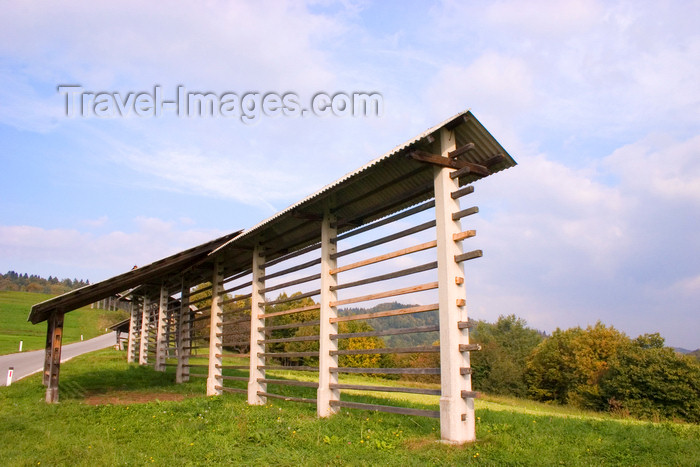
{"x": 15, "y": 307}
{"x": 225, "y": 430}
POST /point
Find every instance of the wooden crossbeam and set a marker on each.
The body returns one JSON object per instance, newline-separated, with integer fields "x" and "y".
{"x": 463, "y": 167}
{"x": 461, "y": 150}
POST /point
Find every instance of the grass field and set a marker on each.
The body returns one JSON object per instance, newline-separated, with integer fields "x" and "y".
{"x": 123, "y": 429}
{"x": 14, "y": 327}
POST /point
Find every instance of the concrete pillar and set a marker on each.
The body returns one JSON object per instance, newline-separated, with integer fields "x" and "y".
{"x": 161, "y": 343}
{"x": 257, "y": 308}
{"x": 183, "y": 336}
{"x": 327, "y": 361}
{"x": 131, "y": 344}
{"x": 457, "y": 424}
{"x": 215, "y": 329}
{"x": 145, "y": 321}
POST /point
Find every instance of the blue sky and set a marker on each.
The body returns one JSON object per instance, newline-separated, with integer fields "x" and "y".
{"x": 597, "y": 101}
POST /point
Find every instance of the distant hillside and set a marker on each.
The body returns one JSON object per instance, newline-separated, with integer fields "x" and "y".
{"x": 16, "y": 282}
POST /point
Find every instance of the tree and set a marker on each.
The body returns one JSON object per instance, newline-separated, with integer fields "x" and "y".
{"x": 567, "y": 367}
{"x": 652, "y": 381}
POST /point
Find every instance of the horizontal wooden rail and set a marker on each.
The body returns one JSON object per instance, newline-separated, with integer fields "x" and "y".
{"x": 288, "y": 339}
{"x": 463, "y": 235}
{"x": 286, "y": 398}
{"x": 386, "y": 332}
{"x": 238, "y": 287}
{"x": 232, "y": 355}
{"x": 289, "y": 312}
{"x": 469, "y": 347}
{"x": 383, "y": 314}
{"x": 418, "y": 349}
{"x": 233, "y": 378}
{"x": 388, "y": 371}
{"x": 466, "y": 324}
{"x": 291, "y": 255}
{"x": 291, "y": 299}
{"x": 302, "y": 280}
{"x": 467, "y": 190}
{"x": 465, "y": 371}
{"x": 232, "y": 367}
{"x": 198, "y": 375}
{"x": 289, "y": 326}
{"x": 296, "y": 268}
{"x": 233, "y": 390}
{"x": 289, "y": 382}
{"x": 464, "y": 213}
{"x": 388, "y": 238}
{"x": 288, "y": 354}
{"x": 409, "y": 212}
{"x": 203, "y": 289}
{"x": 388, "y": 276}
{"x": 237, "y": 275}
{"x": 387, "y": 408}
{"x": 377, "y": 259}
{"x": 236, "y": 299}
{"x": 470, "y": 395}
{"x": 468, "y": 256}
{"x": 390, "y": 293}
{"x": 287, "y": 368}
{"x": 359, "y": 387}
{"x": 199, "y": 300}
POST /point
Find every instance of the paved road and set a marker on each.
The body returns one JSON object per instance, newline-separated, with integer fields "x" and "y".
{"x": 27, "y": 363}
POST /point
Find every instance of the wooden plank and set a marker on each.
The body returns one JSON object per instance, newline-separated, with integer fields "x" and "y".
{"x": 393, "y": 254}
{"x": 286, "y": 398}
{"x": 289, "y": 339}
{"x": 469, "y": 347}
{"x": 423, "y": 156}
{"x": 466, "y": 324}
{"x": 384, "y": 314}
{"x": 289, "y": 382}
{"x": 467, "y": 190}
{"x": 294, "y": 282}
{"x": 461, "y": 150}
{"x": 235, "y": 299}
{"x": 291, "y": 299}
{"x": 232, "y": 355}
{"x": 470, "y": 168}
{"x": 388, "y": 371}
{"x": 470, "y": 395}
{"x": 388, "y": 238}
{"x": 238, "y": 287}
{"x": 388, "y": 409}
{"x": 468, "y": 256}
{"x": 289, "y": 312}
{"x": 390, "y": 293}
{"x": 289, "y": 326}
{"x": 388, "y": 220}
{"x": 238, "y": 275}
{"x": 417, "y": 349}
{"x": 234, "y": 378}
{"x": 464, "y": 213}
{"x": 232, "y": 390}
{"x": 299, "y": 267}
{"x": 287, "y": 368}
{"x": 294, "y": 254}
{"x": 465, "y": 371}
{"x": 232, "y": 367}
{"x": 498, "y": 158}
{"x": 359, "y": 387}
{"x": 462, "y": 235}
{"x": 386, "y": 332}
{"x": 288, "y": 354}
{"x": 388, "y": 276}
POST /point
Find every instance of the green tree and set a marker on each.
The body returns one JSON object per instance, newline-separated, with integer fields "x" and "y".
{"x": 652, "y": 381}
{"x": 567, "y": 366}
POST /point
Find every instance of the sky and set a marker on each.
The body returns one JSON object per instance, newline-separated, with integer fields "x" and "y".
{"x": 598, "y": 102}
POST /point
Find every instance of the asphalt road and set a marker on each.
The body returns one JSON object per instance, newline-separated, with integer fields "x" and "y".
{"x": 27, "y": 363}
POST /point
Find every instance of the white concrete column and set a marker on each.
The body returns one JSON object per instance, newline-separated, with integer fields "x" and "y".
{"x": 183, "y": 336}
{"x": 215, "y": 329}
{"x": 457, "y": 424}
{"x": 161, "y": 343}
{"x": 145, "y": 321}
{"x": 257, "y": 308}
{"x": 326, "y": 361}
{"x": 131, "y": 346}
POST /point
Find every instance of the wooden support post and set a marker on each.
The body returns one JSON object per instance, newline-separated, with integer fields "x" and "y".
{"x": 183, "y": 336}
{"x": 143, "y": 340}
{"x": 215, "y": 329}
{"x": 131, "y": 344}
{"x": 328, "y": 359}
{"x": 453, "y": 427}
{"x": 52, "y": 364}
{"x": 257, "y": 308}
{"x": 161, "y": 342}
